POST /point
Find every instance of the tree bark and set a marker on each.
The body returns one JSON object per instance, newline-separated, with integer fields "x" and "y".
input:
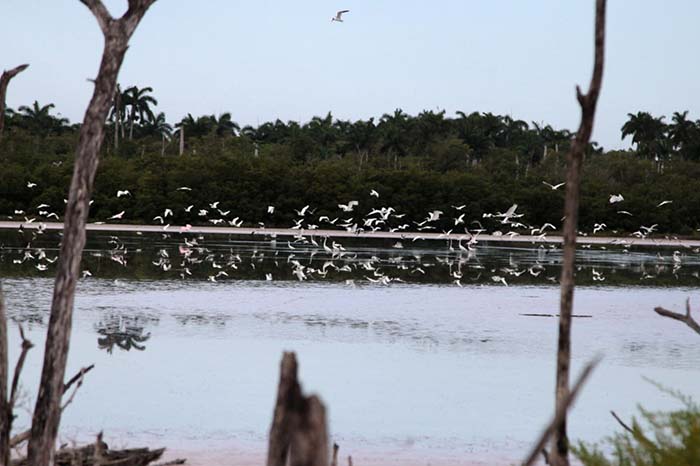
{"x": 5, "y": 414}
{"x": 117, "y": 116}
{"x": 588, "y": 102}
{"x": 182, "y": 140}
{"x": 47, "y": 410}
{"x": 4, "y": 82}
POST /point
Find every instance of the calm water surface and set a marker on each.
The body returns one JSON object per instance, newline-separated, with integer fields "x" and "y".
{"x": 422, "y": 365}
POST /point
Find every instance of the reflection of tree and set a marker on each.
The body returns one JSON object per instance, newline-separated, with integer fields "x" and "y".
{"x": 125, "y": 332}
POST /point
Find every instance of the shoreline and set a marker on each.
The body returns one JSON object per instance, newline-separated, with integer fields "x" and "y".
{"x": 411, "y": 236}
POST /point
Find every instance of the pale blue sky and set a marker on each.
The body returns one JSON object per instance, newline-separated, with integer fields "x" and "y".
{"x": 268, "y": 59}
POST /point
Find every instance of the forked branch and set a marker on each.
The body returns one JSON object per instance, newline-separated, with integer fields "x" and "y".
{"x": 685, "y": 318}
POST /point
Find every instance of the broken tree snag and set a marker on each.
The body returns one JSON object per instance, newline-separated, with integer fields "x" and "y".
{"x": 288, "y": 393}
{"x": 560, "y": 449}
{"x": 310, "y": 437}
{"x": 117, "y": 33}
{"x": 4, "y": 81}
{"x": 560, "y": 415}
{"x": 298, "y": 428}
{"x": 334, "y": 460}
{"x": 685, "y": 318}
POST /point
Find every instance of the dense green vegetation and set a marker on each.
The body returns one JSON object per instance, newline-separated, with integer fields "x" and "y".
{"x": 661, "y": 439}
{"x": 417, "y": 163}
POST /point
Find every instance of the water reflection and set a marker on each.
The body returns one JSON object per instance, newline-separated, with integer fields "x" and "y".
{"x": 124, "y": 332}
{"x": 354, "y": 262}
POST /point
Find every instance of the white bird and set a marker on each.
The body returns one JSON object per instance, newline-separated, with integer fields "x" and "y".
{"x": 349, "y": 206}
{"x": 459, "y": 207}
{"x": 183, "y": 188}
{"x": 302, "y": 212}
{"x": 554, "y": 187}
{"x": 434, "y": 215}
{"x": 167, "y": 213}
{"x": 189, "y": 208}
{"x": 117, "y": 216}
{"x": 214, "y": 205}
{"x": 339, "y": 16}
{"x": 123, "y": 193}
{"x": 270, "y": 209}
{"x": 374, "y": 193}
{"x": 31, "y": 185}
{"x": 616, "y": 198}
{"x": 598, "y": 227}
{"x": 459, "y": 219}
{"x": 662, "y": 203}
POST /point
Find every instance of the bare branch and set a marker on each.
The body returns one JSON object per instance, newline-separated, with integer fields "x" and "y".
{"x": 560, "y": 414}
{"x": 588, "y": 102}
{"x": 621, "y": 422}
{"x": 685, "y": 318}
{"x": 132, "y": 17}
{"x": 97, "y": 8}
{"x": 76, "y": 377}
{"x": 4, "y": 82}
{"x": 26, "y": 346}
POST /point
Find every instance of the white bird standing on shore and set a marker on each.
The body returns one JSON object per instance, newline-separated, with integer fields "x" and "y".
{"x": 339, "y": 16}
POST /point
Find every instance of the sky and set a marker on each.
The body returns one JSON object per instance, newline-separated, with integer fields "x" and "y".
{"x": 268, "y": 59}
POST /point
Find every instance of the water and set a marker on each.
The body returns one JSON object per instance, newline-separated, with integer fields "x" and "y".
{"x": 422, "y": 367}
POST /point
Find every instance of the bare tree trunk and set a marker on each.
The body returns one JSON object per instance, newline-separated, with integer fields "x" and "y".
{"x": 182, "y": 140}
{"x": 560, "y": 448}
{"x": 298, "y": 430}
{"x": 117, "y": 116}
{"x": 47, "y": 411}
{"x": 4, "y": 81}
{"x": 5, "y": 413}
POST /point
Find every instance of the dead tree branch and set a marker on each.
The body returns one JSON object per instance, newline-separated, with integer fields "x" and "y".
{"x": 560, "y": 413}
{"x": 298, "y": 428}
{"x": 560, "y": 449}
{"x": 24, "y": 436}
{"x": 47, "y": 411}
{"x": 26, "y": 346}
{"x": 621, "y": 422}
{"x": 685, "y": 318}
{"x": 4, "y": 82}
{"x": 334, "y": 459}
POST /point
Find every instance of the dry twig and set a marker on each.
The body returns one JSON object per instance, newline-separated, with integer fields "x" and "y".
{"x": 621, "y": 422}
{"x": 4, "y": 82}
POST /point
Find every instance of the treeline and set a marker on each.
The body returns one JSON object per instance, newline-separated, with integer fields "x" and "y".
{"x": 417, "y": 163}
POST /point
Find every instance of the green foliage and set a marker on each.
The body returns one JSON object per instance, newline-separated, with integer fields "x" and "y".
{"x": 660, "y": 439}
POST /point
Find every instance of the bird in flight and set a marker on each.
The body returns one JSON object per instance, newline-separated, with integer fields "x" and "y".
{"x": 339, "y": 16}
{"x": 553, "y": 187}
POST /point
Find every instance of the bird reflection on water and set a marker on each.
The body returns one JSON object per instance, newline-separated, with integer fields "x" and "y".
{"x": 125, "y": 333}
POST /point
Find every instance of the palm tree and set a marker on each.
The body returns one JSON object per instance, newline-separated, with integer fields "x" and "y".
{"x": 159, "y": 127}
{"x": 648, "y": 133}
{"x": 681, "y": 132}
{"x": 139, "y": 104}
{"x": 224, "y": 125}
{"x": 38, "y": 119}
{"x": 395, "y": 132}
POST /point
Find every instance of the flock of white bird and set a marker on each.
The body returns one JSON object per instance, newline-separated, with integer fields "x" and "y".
{"x": 303, "y": 253}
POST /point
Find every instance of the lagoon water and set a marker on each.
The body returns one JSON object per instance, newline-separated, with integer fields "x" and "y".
{"x": 423, "y": 369}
